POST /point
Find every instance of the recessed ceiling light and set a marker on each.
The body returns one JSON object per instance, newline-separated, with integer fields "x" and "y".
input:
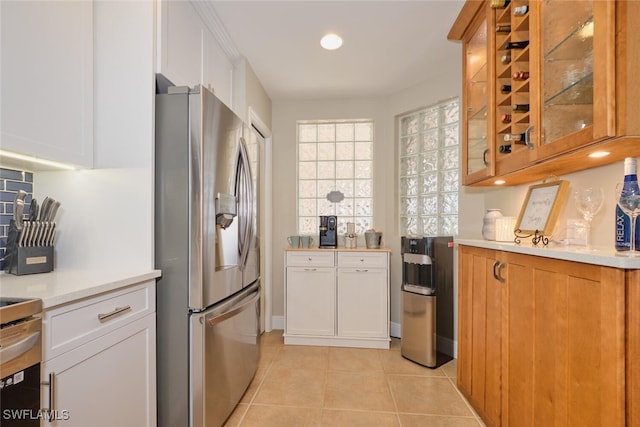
{"x": 331, "y": 41}
{"x": 598, "y": 154}
{"x": 499, "y": 182}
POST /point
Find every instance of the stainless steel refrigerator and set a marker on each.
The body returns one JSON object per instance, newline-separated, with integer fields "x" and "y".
{"x": 206, "y": 245}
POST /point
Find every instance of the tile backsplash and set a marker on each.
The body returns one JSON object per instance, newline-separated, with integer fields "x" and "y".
{"x": 11, "y": 181}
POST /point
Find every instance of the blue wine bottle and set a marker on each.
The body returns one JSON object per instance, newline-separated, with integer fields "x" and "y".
{"x": 623, "y": 226}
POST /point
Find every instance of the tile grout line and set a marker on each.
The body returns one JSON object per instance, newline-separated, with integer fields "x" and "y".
{"x": 267, "y": 370}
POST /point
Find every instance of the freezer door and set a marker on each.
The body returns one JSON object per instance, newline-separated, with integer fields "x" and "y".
{"x": 214, "y": 152}
{"x": 225, "y": 354}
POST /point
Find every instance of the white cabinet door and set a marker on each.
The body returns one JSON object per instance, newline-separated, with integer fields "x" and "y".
{"x": 217, "y": 70}
{"x": 311, "y": 297}
{"x": 180, "y": 42}
{"x": 110, "y": 381}
{"x": 363, "y": 303}
{"x": 46, "y": 89}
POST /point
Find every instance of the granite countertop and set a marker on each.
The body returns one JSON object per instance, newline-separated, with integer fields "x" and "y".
{"x": 599, "y": 256}
{"x": 61, "y": 287}
{"x": 338, "y": 249}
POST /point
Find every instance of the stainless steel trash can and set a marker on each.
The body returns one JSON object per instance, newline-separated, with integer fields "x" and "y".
{"x": 419, "y": 325}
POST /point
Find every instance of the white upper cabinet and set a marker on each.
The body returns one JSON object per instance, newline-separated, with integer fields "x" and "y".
{"x": 179, "y": 42}
{"x": 46, "y": 74}
{"x": 188, "y": 52}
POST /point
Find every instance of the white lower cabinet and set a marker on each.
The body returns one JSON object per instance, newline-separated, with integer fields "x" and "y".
{"x": 311, "y": 301}
{"x": 337, "y": 298}
{"x": 108, "y": 376}
{"x": 363, "y": 303}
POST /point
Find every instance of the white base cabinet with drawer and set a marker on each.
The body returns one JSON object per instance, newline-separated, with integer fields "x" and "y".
{"x": 102, "y": 372}
{"x": 337, "y": 298}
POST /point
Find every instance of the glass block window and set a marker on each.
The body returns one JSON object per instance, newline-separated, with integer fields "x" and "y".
{"x": 335, "y": 156}
{"x": 430, "y": 170}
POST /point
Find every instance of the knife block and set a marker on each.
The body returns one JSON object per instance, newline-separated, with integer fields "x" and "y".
{"x": 31, "y": 260}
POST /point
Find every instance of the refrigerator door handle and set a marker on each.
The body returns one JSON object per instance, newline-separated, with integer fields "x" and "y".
{"x": 237, "y": 307}
{"x": 246, "y": 197}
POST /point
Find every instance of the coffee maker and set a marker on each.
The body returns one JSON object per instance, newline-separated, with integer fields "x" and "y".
{"x": 329, "y": 231}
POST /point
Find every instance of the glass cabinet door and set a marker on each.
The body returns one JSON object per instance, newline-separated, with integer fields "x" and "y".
{"x": 477, "y": 162}
{"x": 576, "y": 91}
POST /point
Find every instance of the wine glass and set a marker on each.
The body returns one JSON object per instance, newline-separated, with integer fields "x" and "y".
{"x": 628, "y": 197}
{"x": 589, "y": 201}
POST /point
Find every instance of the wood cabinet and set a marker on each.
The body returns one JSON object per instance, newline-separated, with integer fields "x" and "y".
{"x": 46, "y": 99}
{"x": 337, "y": 298}
{"x": 573, "y": 82}
{"x": 99, "y": 358}
{"x": 562, "y": 333}
{"x": 480, "y": 332}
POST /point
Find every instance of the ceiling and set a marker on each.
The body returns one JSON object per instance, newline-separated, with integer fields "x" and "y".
{"x": 388, "y": 46}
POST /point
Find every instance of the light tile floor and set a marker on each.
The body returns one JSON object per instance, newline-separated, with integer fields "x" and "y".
{"x": 334, "y": 386}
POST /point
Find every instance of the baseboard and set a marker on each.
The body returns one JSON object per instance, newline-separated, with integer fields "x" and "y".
{"x": 277, "y": 322}
{"x": 395, "y": 330}
{"x": 443, "y": 344}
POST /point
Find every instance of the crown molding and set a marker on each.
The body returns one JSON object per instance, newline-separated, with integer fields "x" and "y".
{"x": 208, "y": 14}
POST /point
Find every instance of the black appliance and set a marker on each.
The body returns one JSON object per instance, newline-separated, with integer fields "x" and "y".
{"x": 329, "y": 231}
{"x": 20, "y": 358}
{"x": 427, "y": 299}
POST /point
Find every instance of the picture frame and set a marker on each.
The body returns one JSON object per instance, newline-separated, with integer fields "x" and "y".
{"x": 541, "y": 207}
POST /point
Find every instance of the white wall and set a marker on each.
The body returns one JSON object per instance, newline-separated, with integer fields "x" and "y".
{"x": 106, "y": 218}
{"x": 443, "y": 83}
{"x": 510, "y": 200}
{"x": 285, "y": 115}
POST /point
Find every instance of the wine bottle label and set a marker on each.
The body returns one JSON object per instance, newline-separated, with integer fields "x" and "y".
{"x": 521, "y": 10}
{"x": 622, "y": 220}
{"x": 515, "y": 137}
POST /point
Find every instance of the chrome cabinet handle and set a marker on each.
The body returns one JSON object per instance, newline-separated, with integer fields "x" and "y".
{"x": 52, "y": 394}
{"x": 527, "y": 137}
{"x": 497, "y": 267}
{"x": 310, "y": 269}
{"x": 104, "y": 317}
{"x": 361, "y": 271}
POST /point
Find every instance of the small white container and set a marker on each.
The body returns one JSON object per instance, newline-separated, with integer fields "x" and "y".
{"x": 489, "y": 223}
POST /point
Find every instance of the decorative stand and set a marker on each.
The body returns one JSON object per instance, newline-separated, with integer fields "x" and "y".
{"x": 537, "y": 237}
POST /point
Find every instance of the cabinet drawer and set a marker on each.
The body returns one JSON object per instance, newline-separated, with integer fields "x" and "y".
{"x": 363, "y": 259}
{"x": 72, "y": 325}
{"x": 310, "y": 258}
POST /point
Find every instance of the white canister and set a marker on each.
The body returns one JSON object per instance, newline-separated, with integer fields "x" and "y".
{"x": 489, "y": 223}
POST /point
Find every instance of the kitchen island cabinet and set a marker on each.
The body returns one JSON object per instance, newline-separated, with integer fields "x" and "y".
{"x": 337, "y": 297}
{"x": 546, "y": 341}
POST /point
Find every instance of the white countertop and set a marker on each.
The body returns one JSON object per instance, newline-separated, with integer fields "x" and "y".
{"x": 598, "y": 256}
{"x": 338, "y": 249}
{"x": 61, "y": 287}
